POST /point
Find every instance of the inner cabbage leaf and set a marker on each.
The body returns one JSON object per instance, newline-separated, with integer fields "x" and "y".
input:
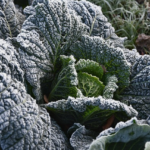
{"x": 90, "y": 85}
{"x": 64, "y": 84}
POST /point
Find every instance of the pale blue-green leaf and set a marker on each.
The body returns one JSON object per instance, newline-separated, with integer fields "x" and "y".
{"x": 9, "y": 19}
{"x": 131, "y": 135}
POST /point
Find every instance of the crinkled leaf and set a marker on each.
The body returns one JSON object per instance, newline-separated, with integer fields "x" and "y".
{"x": 46, "y": 34}
{"x": 131, "y": 135}
{"x": 138, "y": 92}
{"x": 98, "y": 25}
{"x": 9, "y": 61}
{"x": 66, "y": 81}
{"x": 140, "y": 78}
{"x": 25, "y": 125}
{"x": 58, "y": 138}
{"x": 111, "y": 86}
{"x": 93, "y": 17}
{"x": 9, "y": 22}
{"x": 90, "y": 85}
{"x": 96, "y": 49}
{"x": 90, "y": 67}
{"x": 82, "y": 138}
{"x": 91, "y": 112}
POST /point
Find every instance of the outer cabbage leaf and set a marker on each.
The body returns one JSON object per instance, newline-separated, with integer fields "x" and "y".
{"x": 9, "y": 21}
{"x": 9, "y": 61}
{"x": 45, "y": 35}
{"x": 82, "y": 138}
{"x": 130, "y": 135}
{"x": 91, "y": 112}
{"x": 111, "y": 86}
{"x": 92, "y": 16}
{"x": 58, "y": 138}
{"x": 138, "y": 92}
{"x": 66, "y": 81}
{"x": 96, "y": 49}
{"x": 90, "y": 67}
{"x": 89, "y": 85}
{"x": 25, "y": 125}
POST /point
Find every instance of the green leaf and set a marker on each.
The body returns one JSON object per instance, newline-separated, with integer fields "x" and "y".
{"x": 90, "y": 67}
{"x": 90, "y": 85}
{"x": 111, "y": 86}
{"x": 126, "y": 136}
{"x": 66, "y": 81}
{"x": 91, "y": 112}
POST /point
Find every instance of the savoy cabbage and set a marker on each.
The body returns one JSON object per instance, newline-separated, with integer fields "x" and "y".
{"x": 68, "y": 52}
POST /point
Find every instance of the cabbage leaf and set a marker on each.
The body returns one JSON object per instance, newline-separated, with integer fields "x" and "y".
{"x": 91, "y": 112}
{"x": 137, "y": 93}
{"x": 130, "y": 135}
{"x": 9, "y": 19}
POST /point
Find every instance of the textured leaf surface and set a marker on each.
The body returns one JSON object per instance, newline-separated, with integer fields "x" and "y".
{"x": 90, "y": 67}
{"x": 82, "y": 138}
{"x": 23, "y": 124}
{"x": 91, "y": 112}
{"x": 90, "y": 85}
{"x": 138, "y": 92}
{"x": 9, "y": 22}
{"x": 130, "y": 135}
{"x": 66, "y": 81}
{"x": 9, "y": 61}
{"x": 92, "y": 16}
{"x": 97, "y": 49}
{"x": 111, "y": 86}
{"x": 46, "y": 34}
{"x": 58, "y": 138}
